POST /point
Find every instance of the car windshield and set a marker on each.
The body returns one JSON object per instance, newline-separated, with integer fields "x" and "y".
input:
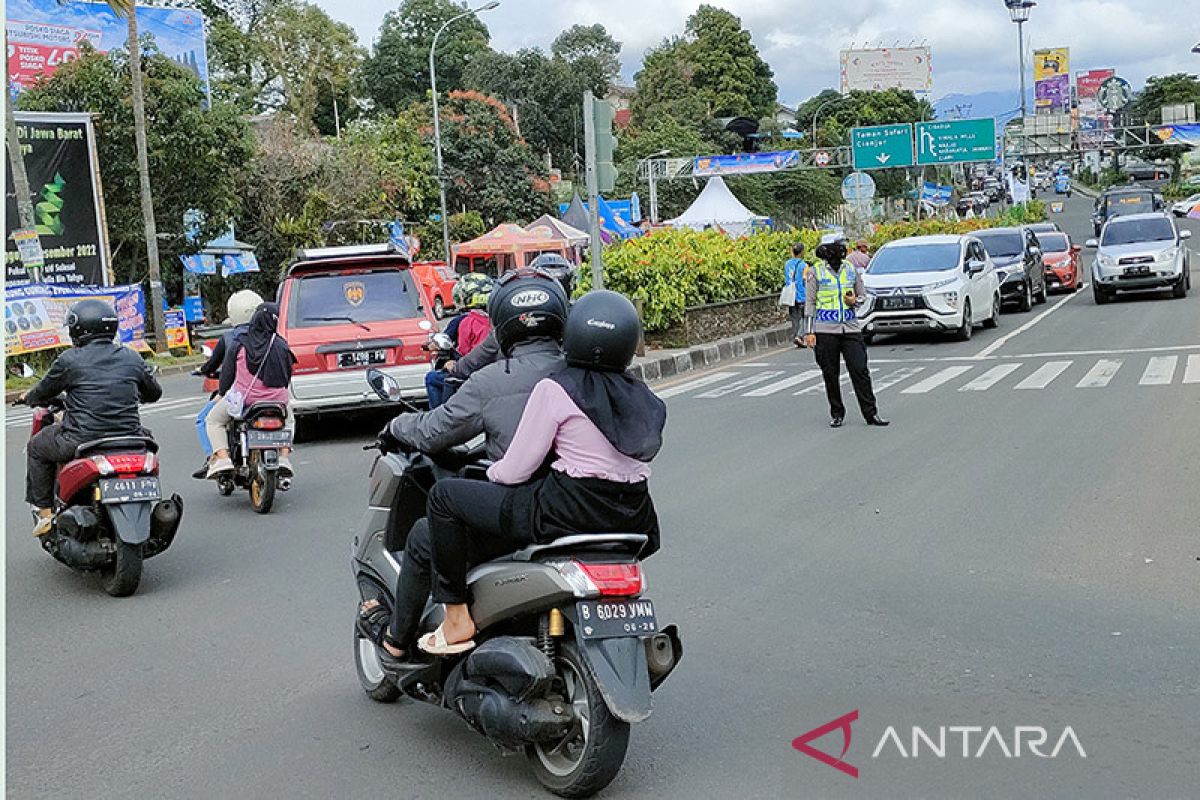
{"x": 900, "y": 259}
{"x": 354, "y": 298}
{"x": 1054, "y": 242}
{"x": 1002, "y": 244}
{"x": 1124, "y": 204}
{"x": 1133, "y": 231}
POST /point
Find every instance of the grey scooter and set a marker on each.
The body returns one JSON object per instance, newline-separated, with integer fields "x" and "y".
{"x": 567, "y": 651}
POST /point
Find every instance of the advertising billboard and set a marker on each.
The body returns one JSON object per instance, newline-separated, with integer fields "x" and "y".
{"x": 43, "y": 34}
{"x": 908, "y": 68}
{"x": 1093, "y": 119}
{"x": 35, "y": 315}
{"x": 68, "y": 209}
{"x": 1052, "y": 79}
{"x": 745, "y": 163}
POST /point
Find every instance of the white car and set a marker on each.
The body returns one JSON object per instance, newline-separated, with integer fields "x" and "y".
{"x": 930, "y": 283}
{"x": 1184, "y": 207}
{"x": 1140, "y": 251}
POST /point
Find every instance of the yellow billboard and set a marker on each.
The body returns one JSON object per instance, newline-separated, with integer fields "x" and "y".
{"x": 1051, "y": 62}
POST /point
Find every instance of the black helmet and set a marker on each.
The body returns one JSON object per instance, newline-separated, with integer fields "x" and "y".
{"x": 527, "y": 304}
{"x": 833, "y": 248}
{"x": 602, "y": 332}
{"x": 91, "y": 321}
{"x": 557, "y": 266}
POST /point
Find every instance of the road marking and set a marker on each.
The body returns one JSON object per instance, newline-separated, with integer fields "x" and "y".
{"x": 1044, "y": 375}
{"x": 936, "y": 380}
{"x": 820, "y": 387}
{"x": 755, "y": 364}
{"x": 990, "y": 378}
{"x": 1006, "y": 338}
{"x": 738, "y": 385}
{"x": 1160, "y": 371}
{"x": 1099, "y": 376}
{"x": 779, "y": 386}
{"x": 893, "y": 378}
{"x": 707, "y": 380}
{"x": 1192, "y": 373}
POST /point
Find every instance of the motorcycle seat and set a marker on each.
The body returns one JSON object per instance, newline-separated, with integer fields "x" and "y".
{"x": 111, "y": 444}
{"x": 624, "y": 543}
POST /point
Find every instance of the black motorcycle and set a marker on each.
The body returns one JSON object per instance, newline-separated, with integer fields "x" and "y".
{"x": 255, "y": 440}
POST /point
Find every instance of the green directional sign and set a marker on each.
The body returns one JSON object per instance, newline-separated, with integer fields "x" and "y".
{"x": 882, "y": 146}
{"x": 956, "y": 141}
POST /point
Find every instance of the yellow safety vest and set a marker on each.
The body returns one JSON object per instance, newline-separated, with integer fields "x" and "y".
{"x": 831, "y": 288}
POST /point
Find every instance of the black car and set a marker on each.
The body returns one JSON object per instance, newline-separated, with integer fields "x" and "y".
{"x": 994, "y": 190}
{"x": 1017, "y": 255}
{"x": 1124, "y": 201}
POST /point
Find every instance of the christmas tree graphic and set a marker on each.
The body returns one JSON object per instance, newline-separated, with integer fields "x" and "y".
{"x": 49, "y": 210}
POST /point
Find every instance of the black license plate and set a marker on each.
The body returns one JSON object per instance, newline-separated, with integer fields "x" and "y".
{"x": 896, "y": 303}
{"x": 1140, "y": 270}
{"x": 129, "y": 490}
{"x": 257, "y": 440}
{"x": 608, "y": 619}
{"x": 362, "y": 358}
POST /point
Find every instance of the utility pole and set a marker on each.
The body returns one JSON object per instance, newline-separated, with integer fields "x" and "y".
{"x": 593, "y": 187}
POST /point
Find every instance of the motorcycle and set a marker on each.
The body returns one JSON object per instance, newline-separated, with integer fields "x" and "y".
{"x": 567, "y": 650}
{"x": 255, "y": 440}
{"x": 109, "y": 515}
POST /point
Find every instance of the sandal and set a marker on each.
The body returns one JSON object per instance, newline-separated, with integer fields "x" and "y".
{"x": 373, "y": 625}
{"x": 436, "y": 645}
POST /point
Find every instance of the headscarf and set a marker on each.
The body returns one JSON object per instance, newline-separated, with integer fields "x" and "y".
{"x": 621, "y": 406}
{"x": 267, "y": 354}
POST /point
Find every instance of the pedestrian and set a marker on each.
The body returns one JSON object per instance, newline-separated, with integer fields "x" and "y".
{"x": 861, "y": 257}
{"x": 833, "y": 289}
{"x": 792, "y": 294}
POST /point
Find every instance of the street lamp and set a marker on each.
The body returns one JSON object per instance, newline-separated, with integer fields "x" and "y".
{"x": 1019, "y": 10}
{"x": 649, "y": 161}
{"x": 817, "y": 113}
{"x": 1196, "y": 49}
{"x": 437, "y": 127}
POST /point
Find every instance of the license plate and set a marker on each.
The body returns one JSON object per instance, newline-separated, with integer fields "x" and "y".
{"x": 129, "y": 490}
{"x": 893, "y": 303}
{"x": 608, "y": 619}
{"x": 362, "y": 358}
{"x": 256, "y": 439}
{"x": 1142, "y": 270}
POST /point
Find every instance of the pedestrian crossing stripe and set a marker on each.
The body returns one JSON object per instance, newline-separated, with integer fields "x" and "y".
{"x": 25, "y": 416}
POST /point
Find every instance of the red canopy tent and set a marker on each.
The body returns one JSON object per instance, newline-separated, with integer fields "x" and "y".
{"x": 505, "y": 247}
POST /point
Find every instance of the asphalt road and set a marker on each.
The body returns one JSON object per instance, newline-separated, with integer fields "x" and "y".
{"x": 1020, "y": 548}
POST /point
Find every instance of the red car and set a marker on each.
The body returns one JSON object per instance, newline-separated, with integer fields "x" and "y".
{"x": 437, "y": 281}
{"x": 1061, "y": 259}
{"x": 344, "y": 309}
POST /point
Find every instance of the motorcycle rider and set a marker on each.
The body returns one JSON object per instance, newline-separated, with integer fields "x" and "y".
{"x": 238, "y": 310}
{"x": 467, "y": 330}
{"x": 491, "y": 401}
{"x": 103, "y": 382}
{"x": 600, "y": 425}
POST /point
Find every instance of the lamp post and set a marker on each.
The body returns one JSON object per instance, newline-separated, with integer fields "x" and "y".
{"x": 817, "y": 113}
{"x": 1018, "y": 11}
{"x": 437, "y": 126}
{"x": 649, "y": 161}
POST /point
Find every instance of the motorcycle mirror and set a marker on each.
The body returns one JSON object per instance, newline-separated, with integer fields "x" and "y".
{"x": 442, "y": 342}
{"x": 26, "y": 370}
{"x": 383, "y": 384}
{"x": 153, "y": 368}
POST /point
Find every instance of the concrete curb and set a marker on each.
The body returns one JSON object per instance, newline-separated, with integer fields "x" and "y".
{"x": 702, "y": 356}
{"x": 1086, "y": 191}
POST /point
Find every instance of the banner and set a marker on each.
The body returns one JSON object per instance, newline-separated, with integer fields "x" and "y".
{"x": 936, "y": 194}
{"x": 35, "y": 314}
{"x": 1052, "y": 79}
{"x": 745, "y": 163}
{"x": 909, "y": 68}
{"x": 60, "y": 158}
{"x": 44, "y": 34}
{"x": 1093, "y": 119}
{"x": 1179, "y": 134}
{"x": 175, "y": 324}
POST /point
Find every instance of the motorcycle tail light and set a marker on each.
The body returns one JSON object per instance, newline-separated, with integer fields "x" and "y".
{"x": 267, "y": 423}
{"x": 614, "y": 580}
{"x": 121, "y": 463}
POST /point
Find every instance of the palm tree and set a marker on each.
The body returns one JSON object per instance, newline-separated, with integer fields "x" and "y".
{"x": 17, "y": 163}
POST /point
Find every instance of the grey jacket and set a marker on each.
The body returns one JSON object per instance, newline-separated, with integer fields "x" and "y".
{"x": 491, "y": 401}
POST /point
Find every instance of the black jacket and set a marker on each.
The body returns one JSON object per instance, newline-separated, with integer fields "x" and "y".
{"x": 212, "y": 367}
{"x": 104, "y": 382}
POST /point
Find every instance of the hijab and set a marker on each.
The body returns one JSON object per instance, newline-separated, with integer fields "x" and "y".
{"x": 621, "y": 406}
{"x": 267, "y": 355}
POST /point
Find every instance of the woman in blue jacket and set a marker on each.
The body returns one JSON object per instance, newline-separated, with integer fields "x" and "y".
{"x": 793, "y": 275}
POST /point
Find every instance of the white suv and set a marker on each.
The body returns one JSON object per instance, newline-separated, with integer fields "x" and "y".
{"x": 931, "y": 283}
{"x": 1140, "y": 251}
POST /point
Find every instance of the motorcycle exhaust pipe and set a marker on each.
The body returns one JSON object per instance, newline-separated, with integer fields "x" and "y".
{"x": 663, "y": 652}
{"x": 83, "y": 555}
{"x": 164, "y": 524}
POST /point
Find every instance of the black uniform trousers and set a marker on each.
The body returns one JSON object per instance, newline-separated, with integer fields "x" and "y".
{"x": 830, "y": 350}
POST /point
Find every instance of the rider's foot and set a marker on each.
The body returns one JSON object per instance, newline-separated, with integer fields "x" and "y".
{"x": 458, "y": 627}
{"x": 386, "y": 641}
{"x": 218, "y": 467}
{"x": 44, "y": 517}
{"x": 201, "y": 473}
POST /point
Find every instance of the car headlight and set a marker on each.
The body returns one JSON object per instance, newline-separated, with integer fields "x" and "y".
{"x": 933, "y": 287}
{"x": 1166, "y": 256}
{"x": 1106, "y": 261}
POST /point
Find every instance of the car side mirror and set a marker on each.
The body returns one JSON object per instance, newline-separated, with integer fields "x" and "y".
{"x": 384, "y": 385}
{"x": 1091, "y": 244}
{"x": 974, "y": 266}
{"x": 1185, "y": 234}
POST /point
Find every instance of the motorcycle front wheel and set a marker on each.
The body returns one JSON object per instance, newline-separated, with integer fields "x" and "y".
{"x": 590, "y": 756}
{"x": 374, "y": 680}
{"x": 122, "y": 579}
{"x": 262, "y": 485}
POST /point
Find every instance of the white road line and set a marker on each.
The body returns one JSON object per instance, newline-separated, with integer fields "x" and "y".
{"x": 779, "y": 386}
{"x": 935, "y": 380}
{"x": 1160, "y": 371}
{"x": 893, "y": 378}
{"x": 1099, "y": 376}
{"x": 739, "y": 385}
{"x": 707, "y": 380}
{"x": 1192, "y": 373}
{"x": 755, "y": 364}
{"x": 1060, "y": 354}
{"x": 1006, "y": 338}
{"x": 1044, "y": 375}
{"x": 820, "y": 386}
{"x": 990, "y": 378}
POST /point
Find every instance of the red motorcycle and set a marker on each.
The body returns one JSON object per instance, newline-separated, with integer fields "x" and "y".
{"x": 109, "y": 515}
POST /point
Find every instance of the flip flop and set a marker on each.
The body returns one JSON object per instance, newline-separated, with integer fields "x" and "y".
{"x": 436, "y": 645}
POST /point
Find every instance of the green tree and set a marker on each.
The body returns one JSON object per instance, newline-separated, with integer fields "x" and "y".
{"x": 193, "y": 155}
{"x": 397, "y": 72}
{"x": 1164, "y": 90}
{"x": 729, "y": 74}
{"x": 591, "y": 53}
{"x": 635, "y": 144}
{"x": 664, "y": 87}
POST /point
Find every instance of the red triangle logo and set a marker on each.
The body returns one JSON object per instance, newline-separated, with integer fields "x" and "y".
{"x": 842, "y": 723}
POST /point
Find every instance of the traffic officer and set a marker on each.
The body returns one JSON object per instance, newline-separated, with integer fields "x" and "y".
{"x": 833, "y": 289}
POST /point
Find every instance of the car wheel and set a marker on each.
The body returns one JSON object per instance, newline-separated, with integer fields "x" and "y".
{"x": 439, "y": 308}
{"x": 1027, "y": 298}
{"x": 1041, "y": 295}
{"x": 1099, "y": 295}
{"x": 1181, "y": 289}
{"x": 993, "y": 321}
{"x": 963, "y": 334}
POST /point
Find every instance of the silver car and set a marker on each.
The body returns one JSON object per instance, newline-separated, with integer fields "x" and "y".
{"x": 1140, "y": 252}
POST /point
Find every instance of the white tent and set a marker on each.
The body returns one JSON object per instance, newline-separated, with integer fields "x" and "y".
{"x": 717, "y": 207}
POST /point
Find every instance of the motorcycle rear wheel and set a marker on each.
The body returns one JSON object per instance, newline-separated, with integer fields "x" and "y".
{"x": 122, "y": 579}
{"x": 591, "y": 755}
{"x": 262, "y": 485}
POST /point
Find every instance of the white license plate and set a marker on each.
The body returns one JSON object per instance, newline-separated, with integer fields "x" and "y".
{"x": 256, "y": 439}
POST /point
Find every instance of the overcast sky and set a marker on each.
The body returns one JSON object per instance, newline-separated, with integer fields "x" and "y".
{"x": 973, "y": 41}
